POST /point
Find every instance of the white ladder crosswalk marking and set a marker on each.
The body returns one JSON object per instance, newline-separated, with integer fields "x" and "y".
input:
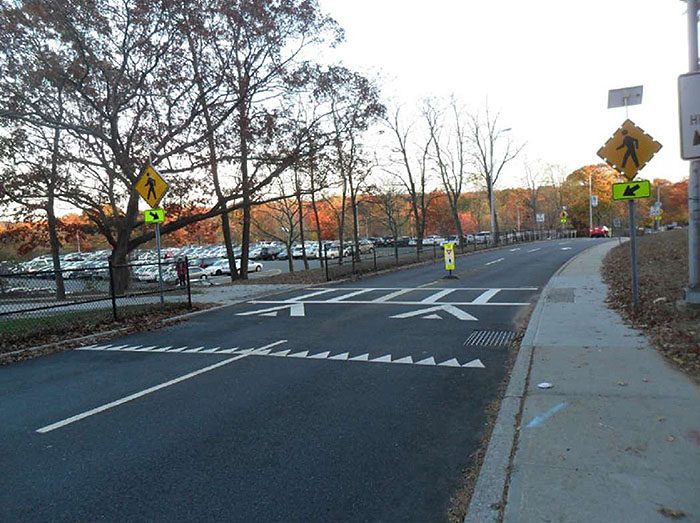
{"x": 311, "y": 295}
{"x": 387, "y": 297}
{"x": 485, "y": 296}
{"x": 349, "y": 295}
{"x": 435, "y": 297}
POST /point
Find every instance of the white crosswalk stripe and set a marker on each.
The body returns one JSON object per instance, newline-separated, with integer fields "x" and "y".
{"x": 289, "y": 353}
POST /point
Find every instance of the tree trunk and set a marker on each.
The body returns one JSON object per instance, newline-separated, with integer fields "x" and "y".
{"x": 460, "y": 232}
{"x": 214, "y": 164}
{"x": 55, "y": 245}
{"x": 355, "y": 227}
{"x": 120, "y": 251}
{"x": 51, "y": 216}
{"x": 290, "y": 261}
{"x": 341, "y": 226}
{"x": 300, "y": 206}
{"x": 318, "y": 224}
{"x": 245, "y": 182}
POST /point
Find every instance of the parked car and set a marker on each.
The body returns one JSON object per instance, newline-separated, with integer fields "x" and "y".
{"x": 600, "y": 232}
{"x": 253, "y": 266}
{"x": 366, "y": 247}
{"x": 267, "y": 253}
{"x": 217, "y": 269}
{"x": 482, "y": 237}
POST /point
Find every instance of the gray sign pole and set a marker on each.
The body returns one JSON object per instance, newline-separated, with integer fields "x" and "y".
{"x": 633, "y": 245}
{"x": 692, "y": 292}
{"x": 160, "y": 272}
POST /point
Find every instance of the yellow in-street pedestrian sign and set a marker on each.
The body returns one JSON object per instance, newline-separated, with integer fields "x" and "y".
{"x": 449, "y": 256}
{"x": 632, "y": 190}
{"x": 151, "y": 186}
{"x": 154, "y": 216}
{"x": 629, "y": 149}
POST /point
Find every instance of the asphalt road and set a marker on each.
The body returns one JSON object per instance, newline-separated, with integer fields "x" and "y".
{"x": 360, "y": 403}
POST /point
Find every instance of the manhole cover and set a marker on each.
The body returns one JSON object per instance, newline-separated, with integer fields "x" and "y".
{"x": 489, "y": 338}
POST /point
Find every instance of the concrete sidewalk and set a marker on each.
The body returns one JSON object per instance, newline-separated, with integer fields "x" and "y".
{"x": 617, "y": 437}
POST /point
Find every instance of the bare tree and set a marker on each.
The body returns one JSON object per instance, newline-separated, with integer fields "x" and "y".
{"x": 411, "y": 170}
{"x": 393, "y": 207}
{"x": 491, "y": 149}
{"x": 37, "y": 174}
{"x": 532, "y": 178}
{"x": 450, "y": 155}
{"x": 279, "y": 220}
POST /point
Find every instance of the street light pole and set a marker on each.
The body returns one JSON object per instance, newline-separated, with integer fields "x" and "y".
{"x": 590, "y": 203}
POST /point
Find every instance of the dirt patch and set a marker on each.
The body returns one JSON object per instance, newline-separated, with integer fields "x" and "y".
{"x": 663, "y": 272}
{"x": 58, "y": 336}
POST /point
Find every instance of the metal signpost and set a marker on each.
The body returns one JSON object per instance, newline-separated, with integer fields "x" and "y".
{"x": 628, "y": 150}
{"x": 152, "y": 187}
{"x": 689, "y": 116}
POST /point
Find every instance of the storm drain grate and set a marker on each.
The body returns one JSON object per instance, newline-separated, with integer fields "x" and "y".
{"x": 489, "y": 338}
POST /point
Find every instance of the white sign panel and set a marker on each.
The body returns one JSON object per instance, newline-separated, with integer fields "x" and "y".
{"x": 539, "y": 218}
{"x": 594, "y": 200}
{"x": 689, "y": 115}
{"x": 625, "y": 96}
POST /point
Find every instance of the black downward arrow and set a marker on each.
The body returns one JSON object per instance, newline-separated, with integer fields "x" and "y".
{"x": 154, "y": 215}
{"x": 630, "y": 190}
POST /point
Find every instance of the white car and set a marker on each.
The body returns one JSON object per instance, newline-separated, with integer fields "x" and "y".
{"x": 253, "y": 266}
{"x": 218, "y": 268}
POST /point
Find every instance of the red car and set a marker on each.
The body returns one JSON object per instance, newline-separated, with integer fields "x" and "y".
{"x": 600, "y": 232}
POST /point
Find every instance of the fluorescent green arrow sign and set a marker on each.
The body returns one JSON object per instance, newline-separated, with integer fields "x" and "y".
{"x": 154, "y": 216}
{"x": 632, "y": 190}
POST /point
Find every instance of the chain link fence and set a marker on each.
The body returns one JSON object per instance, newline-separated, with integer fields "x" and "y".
{"x": 36, "y": 302}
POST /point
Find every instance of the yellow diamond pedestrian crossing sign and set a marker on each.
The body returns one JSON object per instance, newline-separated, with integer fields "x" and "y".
{"x": 151, "y": 186}
{"x": 629, "y": 149}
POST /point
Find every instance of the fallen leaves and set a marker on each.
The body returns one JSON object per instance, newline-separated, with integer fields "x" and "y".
{"x": 671, "y": 513}
{"x": 663, "y": 273}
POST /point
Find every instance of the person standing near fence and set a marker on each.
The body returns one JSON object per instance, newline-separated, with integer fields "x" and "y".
{"x": 181, "y": 271}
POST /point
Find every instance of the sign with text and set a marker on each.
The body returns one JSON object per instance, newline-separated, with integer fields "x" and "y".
{"x": 632, "y": 190}
{"x": 689, "y": 114}
{"x": 629, "y": 149}
{"x": 449, "y": 256}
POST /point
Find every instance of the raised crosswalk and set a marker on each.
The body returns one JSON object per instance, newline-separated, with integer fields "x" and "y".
{"x": 289, "y": 353}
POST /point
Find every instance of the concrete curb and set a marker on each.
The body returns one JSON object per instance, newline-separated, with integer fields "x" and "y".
{"x": 489, "y": 493}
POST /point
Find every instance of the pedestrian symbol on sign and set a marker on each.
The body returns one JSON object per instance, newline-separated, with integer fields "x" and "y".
{"x": 151, "y": 184}
{"x": 631, "y": 144}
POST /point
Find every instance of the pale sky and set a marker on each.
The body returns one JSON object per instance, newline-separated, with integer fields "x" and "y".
{"x": 547, "y": 65}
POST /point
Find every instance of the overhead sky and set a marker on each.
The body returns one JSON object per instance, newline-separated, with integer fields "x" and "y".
{"x": 546, "y": 65}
